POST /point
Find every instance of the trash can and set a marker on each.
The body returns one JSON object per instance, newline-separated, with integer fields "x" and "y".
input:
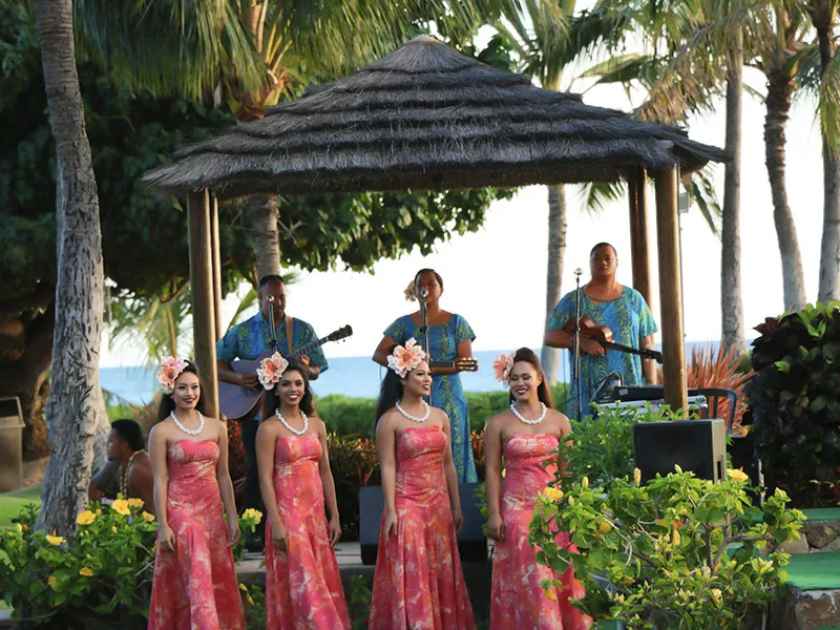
{"x": 11, "y": 444}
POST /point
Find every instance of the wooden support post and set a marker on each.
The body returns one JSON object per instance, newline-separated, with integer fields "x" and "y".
{"x": 670, "y": 289}
{"x": 217, "y": 266}
{"x": 201, "y": 284}
{"x": 639, "y": 251}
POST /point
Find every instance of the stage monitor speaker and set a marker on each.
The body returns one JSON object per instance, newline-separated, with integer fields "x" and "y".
{"x": 696, "y": 445}
{"x": 472, "y": 544}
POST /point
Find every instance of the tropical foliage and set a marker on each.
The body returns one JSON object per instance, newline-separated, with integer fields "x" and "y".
{"x": 676, "y": 553}
{"x": 795, "y": 402}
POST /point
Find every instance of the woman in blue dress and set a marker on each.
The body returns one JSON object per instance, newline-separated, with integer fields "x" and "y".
{"x": 450, "y": 340}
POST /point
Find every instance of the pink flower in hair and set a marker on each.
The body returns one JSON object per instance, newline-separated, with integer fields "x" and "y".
{"x": 170, "y": 370}
{"x": 403, "y": 359}
{"x": 271, "y": 369}
{"x": 502, "y": 366}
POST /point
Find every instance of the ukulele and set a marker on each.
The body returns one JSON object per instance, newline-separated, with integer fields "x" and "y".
{"x": 236, "y": 401}
{"x": 590, "y": 330}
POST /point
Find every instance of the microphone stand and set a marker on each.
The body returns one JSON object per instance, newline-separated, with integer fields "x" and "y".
{"x": 271, "y": 323}
{"x": 579, "y": 392}
{"x": 424, "y": 316}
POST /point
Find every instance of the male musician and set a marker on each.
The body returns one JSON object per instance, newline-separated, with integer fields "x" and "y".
{"x": 622, "y": 315}
{"x": 251, "y": 340}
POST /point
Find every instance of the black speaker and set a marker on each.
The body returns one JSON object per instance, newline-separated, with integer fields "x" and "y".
{"x": 696, "y": 445}
{"x": 472, "y": 544}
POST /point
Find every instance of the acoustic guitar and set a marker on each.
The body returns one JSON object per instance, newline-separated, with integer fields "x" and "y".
{"x": 237, "y": 402}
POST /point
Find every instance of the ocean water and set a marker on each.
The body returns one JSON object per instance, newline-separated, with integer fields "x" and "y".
{"x": 351, "y": 376}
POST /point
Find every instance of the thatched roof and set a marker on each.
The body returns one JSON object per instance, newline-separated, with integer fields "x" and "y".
{"x": 427, "y": 117}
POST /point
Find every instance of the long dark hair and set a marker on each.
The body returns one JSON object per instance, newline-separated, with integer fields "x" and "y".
{"x": 167, "y": 405}
{"x": 390, "y": 393}
{"x": 307, "y": 403}
{"x": 543, "y": 390}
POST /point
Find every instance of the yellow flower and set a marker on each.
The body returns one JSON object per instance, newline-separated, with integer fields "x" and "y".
{"x": 86, "y": 571}
{"x": 55, "y": 540}
{"x": 717, "y": 595}
{"x": 148, "y": 517}
{"x": 604, "y": 527}
{"x": 675, "y": 537}
{"x": 53, "y": 582}
{"x": 19, "y": 527}
{"x": 243, "y": 588}
{"x": 637, "y": 476}
{"x": 736, "y": 474}
{"x": 551, "y": 594}
{"x": 552, "y": 494}
{"x": 135, "y": 502}
{"x": 584, "y": 482}
{"x": 120, "y": 506}
{"x": 252, "y": 515}
{"x": 85, "y": 518}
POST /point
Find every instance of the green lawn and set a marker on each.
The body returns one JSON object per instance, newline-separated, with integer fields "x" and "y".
{"x": 11, "y": 503}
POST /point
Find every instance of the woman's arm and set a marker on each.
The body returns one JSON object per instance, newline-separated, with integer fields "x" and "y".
{"x": 265, "y": 444}
{"x": 385, "y": 440}
{"x": 452, "y": 477}
{"x": 157, "y": 453}
{"x": 380, "y": 355}
{"x": 226, "y": 485}
{"x": 328, "y": 484}
{"x": 648, "y": 365}
{"x": 493, "y": 478}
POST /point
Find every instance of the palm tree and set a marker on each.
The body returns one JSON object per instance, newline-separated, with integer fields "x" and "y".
{"x": 251, "y": 54}
{"x": 825, "y": 16}
{"x": 75, "y": 410}
{"x": 538, "y": 36}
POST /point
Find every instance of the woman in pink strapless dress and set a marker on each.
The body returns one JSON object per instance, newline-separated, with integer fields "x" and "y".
{"x": 418, "y": 581}
{"x": 195, "y": 583}
{"x": 527, "y": 437}
{"x": 302, "y": 583}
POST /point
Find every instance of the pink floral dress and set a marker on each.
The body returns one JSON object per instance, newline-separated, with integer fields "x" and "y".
{"x": 418, "y": 582}
{"x": 195, "y": 587}
{"x": 302, "y": 584}
{"x": 517, "y": 602}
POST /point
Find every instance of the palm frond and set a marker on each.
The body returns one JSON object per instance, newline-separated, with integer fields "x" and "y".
{"x": 701, "y": 191}
{"x": 829, "y": 104}
{"x": 596, "y": 195}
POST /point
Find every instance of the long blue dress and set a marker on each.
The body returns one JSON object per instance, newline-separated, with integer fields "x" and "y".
{"x": 447, "y": 392}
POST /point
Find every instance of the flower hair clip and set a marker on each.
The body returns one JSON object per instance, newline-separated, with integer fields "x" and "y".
{"x": 502, "y": 366}
{"x": 170, "y": 370}
{"x": 403, "y": 359}
{"x": 271, "y": 369}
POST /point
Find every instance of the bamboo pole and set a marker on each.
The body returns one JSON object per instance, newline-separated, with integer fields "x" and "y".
{"x": 639, "y": 250}
{"x": 201, "y": 283}
{"x": 670, "y": 289}
{"x": 217, "y": 266}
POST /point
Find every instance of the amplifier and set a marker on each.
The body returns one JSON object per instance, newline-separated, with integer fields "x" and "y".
{"x": 695, "y": 445}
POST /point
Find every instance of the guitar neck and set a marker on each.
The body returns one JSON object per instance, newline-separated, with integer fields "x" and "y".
{"x": 643, "y": 352}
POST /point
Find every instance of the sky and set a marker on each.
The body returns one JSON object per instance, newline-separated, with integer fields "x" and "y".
{"x": 496, "y": 277}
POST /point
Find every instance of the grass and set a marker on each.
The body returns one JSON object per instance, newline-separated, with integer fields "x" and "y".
{"x": 11, "y": 503}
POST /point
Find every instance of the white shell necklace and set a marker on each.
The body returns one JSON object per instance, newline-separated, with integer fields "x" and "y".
{"x": 195, "y": 431}
{"x": 408, "y": 416}
{"x": 297, "y": 432}
{"x": 524, "y": 419}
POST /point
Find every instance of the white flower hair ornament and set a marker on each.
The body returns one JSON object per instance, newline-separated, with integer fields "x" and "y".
{"x": 170, "y": 370}
{"x": 403, "y": 359}
{"x": 271, "y": 369}
{"x": 502, "y": 367}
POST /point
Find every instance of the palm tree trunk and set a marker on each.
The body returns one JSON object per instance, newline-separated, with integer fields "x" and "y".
{"x": 779, "y": 91}
{"x": 732, "y": 309}
{"x": 266, "y": 237}
{"x": 75, "y": 409}
{"x": 829, "y": 288}
{"x": 557, "y": 227}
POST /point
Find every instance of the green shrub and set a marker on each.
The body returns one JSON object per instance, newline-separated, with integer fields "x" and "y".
{"x": 795, "y": 403}
{"x": 676, "y": 553}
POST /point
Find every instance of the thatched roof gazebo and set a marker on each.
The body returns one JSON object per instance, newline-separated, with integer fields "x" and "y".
{"x": 427, "y": 117}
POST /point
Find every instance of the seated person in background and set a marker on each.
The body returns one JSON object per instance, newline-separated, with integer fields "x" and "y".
{"x": 128, "y": 471}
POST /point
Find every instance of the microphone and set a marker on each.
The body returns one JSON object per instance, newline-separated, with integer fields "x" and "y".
{"x": 578, "y": 272}
{"x": 424, "y": 294}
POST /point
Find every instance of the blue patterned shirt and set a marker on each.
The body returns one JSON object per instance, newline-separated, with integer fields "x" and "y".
{"x": 251, "y": 339}
{"x": 629, "y": 318}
